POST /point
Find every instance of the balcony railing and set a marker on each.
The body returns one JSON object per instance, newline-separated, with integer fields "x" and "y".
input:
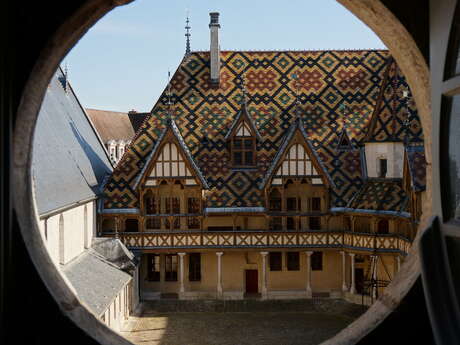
{"x": 190, "y": 239}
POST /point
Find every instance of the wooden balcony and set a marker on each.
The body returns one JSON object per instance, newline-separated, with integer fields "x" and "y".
{"x": 259, "y": 239}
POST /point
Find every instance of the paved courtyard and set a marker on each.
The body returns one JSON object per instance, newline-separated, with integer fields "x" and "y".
{"x": 234, "y": 328}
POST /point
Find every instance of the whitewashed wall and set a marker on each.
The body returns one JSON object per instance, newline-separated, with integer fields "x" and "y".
{"x": 392, "y": 152}
{"x": 118, "y": 311}
{"x": 79, "y": 227}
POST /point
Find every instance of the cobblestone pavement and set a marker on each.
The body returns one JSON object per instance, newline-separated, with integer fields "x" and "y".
{"x": 233, "y": 328}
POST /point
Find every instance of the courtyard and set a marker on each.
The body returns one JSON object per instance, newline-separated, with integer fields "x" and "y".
{"x": 254, "y": 326}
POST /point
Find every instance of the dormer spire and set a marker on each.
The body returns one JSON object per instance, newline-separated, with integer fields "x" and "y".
{"x": 187, "y": 35}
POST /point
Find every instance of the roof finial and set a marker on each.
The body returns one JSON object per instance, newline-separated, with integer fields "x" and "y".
{"x": 187, "y": 35}
{"x": 243, "y": 89}
{"x": 168, "y": 93}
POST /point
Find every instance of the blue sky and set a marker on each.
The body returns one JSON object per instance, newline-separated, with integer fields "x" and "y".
{"x": 123, "y": 60}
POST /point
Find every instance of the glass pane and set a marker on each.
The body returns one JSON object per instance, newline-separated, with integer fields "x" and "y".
{"x": 248, "y": 144}
{"x": 238, "y": 158}
{"x": 249, "y": 158}
{"x": 237, "y": 143}
{"x": 451, "y": 185}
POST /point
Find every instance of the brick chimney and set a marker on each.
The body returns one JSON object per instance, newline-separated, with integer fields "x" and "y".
{"x": 215, "y": 48}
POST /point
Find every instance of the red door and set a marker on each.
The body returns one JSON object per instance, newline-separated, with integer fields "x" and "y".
{"x": 252, "y": 281}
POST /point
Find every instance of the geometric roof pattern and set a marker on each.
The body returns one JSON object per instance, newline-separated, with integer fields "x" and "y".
{"x": 330, "y": 91}
{"x": 381, "y": 195}
{"x": 417, "y": 166}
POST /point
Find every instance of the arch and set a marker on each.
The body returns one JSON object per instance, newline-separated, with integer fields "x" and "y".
{"x": 383, "y": 226}
{"x": 363, "y": 224}
{"x": 131, "y": 225}
{"x": 61, "y": 240}
{"x": 109, "y": 224}
{"x": 373, "y": 13}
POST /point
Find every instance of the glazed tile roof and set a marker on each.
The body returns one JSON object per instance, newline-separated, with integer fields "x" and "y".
{"x": 337, "y": 90}
{"x": 381, "y": 195}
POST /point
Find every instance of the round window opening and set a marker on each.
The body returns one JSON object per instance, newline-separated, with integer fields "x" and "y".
{"x": 154, "y": 220}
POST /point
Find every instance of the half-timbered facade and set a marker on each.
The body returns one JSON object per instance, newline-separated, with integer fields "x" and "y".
{"x": 293, "y": 174}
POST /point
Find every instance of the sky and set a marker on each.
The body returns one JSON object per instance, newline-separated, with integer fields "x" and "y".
{"x": 122, "y": 62}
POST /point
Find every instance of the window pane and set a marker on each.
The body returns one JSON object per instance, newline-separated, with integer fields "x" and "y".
{"x": 237, "y": 143}
{"x": 291, "y": 204}
{"x": 248, "y": 144}
{"x": 293, "y": 262}
{"x": 451, "y": 163}
{"x": 238, "y": 158}
{"x": 317, "y": 261}
{"x": 248, "y": 158}
{"x": 275, "y": 261}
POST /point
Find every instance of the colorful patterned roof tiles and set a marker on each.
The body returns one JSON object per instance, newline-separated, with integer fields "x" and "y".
{"x": 335, "y": 89}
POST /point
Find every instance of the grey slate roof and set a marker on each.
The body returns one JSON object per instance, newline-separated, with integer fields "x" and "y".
{"x": 69, "y": 161}
{"x": 96, "y": 280}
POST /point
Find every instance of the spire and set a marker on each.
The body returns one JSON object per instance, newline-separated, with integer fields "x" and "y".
{"x": 243, "y": 90}
{"x": 296, "y": 94}
{"x": 187, "y": 35}
{"x": 168, "y": 94}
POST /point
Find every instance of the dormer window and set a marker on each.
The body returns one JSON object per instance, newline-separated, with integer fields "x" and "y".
{"x": 241, "y": 139}
{"x": 243, "y": 151}
{"x": 382, "y": 167}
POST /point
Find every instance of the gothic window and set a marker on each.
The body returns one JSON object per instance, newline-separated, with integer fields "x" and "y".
{"x": 293, "y": 262}
{"x": 316, "y": 204}
{"x": 275, "y": 261}
{"x": 243, "y": 151}
{"x": 194, "y": 267}
{"x": 153, "y": 223}
{"x": 290, "y": 223}
{"x": 131, "y": 225}
{"x": 150, "y": 204}
{"x": 314, "y": 223}
{"x": 193, "y": 207}
{"x": 276, "y": 223}
{"x": 275, "y": 200}
{"x": 292, "y": 204}
{"x": 175, "y": 205}
{"x": 383, "y": 226}
{"x": 317, "y": 261}
{"x": 153, "y": 267}
{"x": 171, "y": 267}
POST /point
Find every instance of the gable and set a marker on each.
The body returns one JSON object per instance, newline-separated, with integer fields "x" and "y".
{"x": 170, "y": 163}
{"x": 243, "y": 130}
{"x": 297, "y": 163}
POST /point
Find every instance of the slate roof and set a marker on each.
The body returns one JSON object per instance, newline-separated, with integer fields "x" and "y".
{"x": 335, "y": 89}
{"x": 69, "y": 161}
{"x": 96, "y": 280}
{"x": 112, "y": 125}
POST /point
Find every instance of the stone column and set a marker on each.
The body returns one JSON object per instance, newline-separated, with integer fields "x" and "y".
{"x": 344, "y": 282}
{"x": 220, "y": 290}
{"x": 181, "y": 272}
{"x": 308, "y": 282}
{"x": 352, "y": 284}
{"x": 264, "y": 274}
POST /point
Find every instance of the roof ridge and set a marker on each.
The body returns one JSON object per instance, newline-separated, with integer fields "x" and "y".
{"x": 293, "y": 50}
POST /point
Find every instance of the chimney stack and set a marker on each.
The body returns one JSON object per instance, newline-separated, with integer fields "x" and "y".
{"x": 215, "y": 48}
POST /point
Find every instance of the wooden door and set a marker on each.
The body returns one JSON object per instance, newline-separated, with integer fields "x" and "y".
{"x": 252, "y": 281}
